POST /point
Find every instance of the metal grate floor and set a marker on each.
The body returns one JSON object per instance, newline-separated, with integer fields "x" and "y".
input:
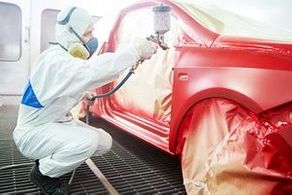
{"x": 135, "y": 167}
{"x": 132, "y": 166}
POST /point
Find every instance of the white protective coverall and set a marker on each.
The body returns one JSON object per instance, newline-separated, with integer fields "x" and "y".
{"x": 45, "y": 128}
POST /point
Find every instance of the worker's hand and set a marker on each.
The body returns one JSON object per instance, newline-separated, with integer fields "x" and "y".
{"x": 145, "y": 48}
{"x": 88, "y": 97}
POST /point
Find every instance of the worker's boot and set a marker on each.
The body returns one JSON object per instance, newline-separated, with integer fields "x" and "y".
{"x": 47, "y": 184}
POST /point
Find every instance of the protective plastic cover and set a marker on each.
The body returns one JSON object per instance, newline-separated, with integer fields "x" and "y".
{"x": 227, "y": 149}
{"x": 150, "y": 89}
{"x": 225, "y": 22}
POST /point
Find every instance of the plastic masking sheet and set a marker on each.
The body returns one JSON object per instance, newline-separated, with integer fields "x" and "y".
{"x": 228, "y": 150}
{"x": 226, "y": 22}
{"x": 149, "y": 91}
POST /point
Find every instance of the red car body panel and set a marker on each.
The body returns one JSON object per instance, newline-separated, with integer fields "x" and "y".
{"x": 254, "y": 73}
{"x": 240, "y": 70}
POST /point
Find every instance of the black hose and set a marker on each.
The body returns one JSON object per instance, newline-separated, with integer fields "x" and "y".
{"x": 131, "y": 71}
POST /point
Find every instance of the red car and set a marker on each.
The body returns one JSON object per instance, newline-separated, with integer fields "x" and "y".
{"x": 220, "y": 97}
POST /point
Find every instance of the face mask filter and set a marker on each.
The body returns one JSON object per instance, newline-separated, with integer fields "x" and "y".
{"x": 90, "y": 46}
{"x": 77, "y": 50}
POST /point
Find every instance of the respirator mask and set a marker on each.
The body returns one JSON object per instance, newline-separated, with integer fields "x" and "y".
{"x": 82, "y": 50}
{"x": 79, "y": 49}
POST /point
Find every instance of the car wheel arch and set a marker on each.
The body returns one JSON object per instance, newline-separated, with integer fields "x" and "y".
{"x": 176, "y": 134}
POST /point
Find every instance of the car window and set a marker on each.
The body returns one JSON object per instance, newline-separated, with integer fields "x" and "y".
{"x": 48, "y": 21}
{"x": 148, "y": 93}
{"x": 10, "y": 32}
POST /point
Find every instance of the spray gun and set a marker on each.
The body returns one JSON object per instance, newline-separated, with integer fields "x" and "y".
{"x": 161, "y": 25}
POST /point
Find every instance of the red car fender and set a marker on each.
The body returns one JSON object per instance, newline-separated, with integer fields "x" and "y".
{"x": 242, "y": 75}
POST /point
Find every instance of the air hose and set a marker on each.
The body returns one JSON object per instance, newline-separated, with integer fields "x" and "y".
{"x": 131, "y": 71}
{"x": 117, "y": 87}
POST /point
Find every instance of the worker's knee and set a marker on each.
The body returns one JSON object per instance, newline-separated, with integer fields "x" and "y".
{"x": 92, "y": 144}
{"x": 108, "y": 142}
{"x": 104, "y": 144}
{"x": 98, "y": 143}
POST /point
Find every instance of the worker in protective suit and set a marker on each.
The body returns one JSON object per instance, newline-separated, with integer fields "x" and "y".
{"x": 46, "y": 131}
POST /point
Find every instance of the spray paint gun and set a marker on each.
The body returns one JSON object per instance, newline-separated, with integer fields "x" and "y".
{"x": 161, "y": 25}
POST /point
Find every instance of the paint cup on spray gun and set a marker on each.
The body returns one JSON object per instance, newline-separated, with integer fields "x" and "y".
{"x": 161, "y": 25}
